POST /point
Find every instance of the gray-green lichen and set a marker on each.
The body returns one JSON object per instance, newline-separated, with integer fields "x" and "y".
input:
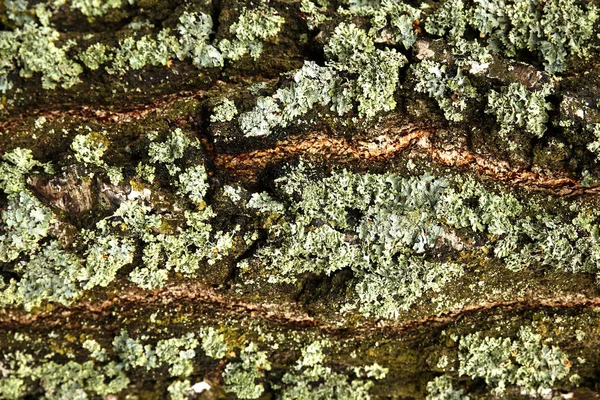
{"x": 33, "y": 48}
{"x": 251, "y": 29}
{"x": 350, "y": 50}
{"x": 450, "y": 90}
{"x": 53, "y": 273}
{"x": 517, "y": 107}
{"x": 526, "y": 362}
{"x": 556, "y": 29}
{"x": 225, "y": 111}
{"x": 385, "y": 229}
{"x": 241, "y": 377}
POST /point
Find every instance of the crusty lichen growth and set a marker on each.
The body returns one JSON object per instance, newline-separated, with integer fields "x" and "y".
{"x": 556, "y": 29}
{"x": 251, "y": 29}
{"x": 526, "y": 362}
{"x": 517, "y": 107}
{"x": 351, "y": 51}
{"x": 450, "y": 90}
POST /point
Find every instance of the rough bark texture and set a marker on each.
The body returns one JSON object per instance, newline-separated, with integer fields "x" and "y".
{"x": 484, "y": 283}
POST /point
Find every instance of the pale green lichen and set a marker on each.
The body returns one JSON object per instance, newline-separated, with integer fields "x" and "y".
{"x": 179, "y": 389}
{"x": 311, "y": 379}
{"x": 517, "y": 107}
{"x": 94, "y": 56}
{"x": 90, "y": 148}
{"x": 350, "y": 51}
{"x": 213, "y": 343}
{"x": 382, "y": 247}
{"x": 315, "y": 11}
{"x": 193, "y": 182}
{"x": 526, "y": 362}
{"x": 224, "y": 111}
{"x": 32, "y": 48}
{"x": 391, "y": 21}
{"x": 96, "y": 8}
{"x": 170, "y": 150}
{"x": 70, "y": 380}
{"x": 593, "y": 146}
{"x": 441, "y": 389}
{"x": 96, "y": 351}
{"x": 50, "y": 275}
{"x": 25, "y": 221}
{"x": 18, "y": 162}
{"x": 251, "y": 29}
{"x": 194, "y": 30}
{"x": 243, "y": 377}
{"x": 557, "y": 29}
{"x": 450, "y": 90}
{"x": 175, "y": 353}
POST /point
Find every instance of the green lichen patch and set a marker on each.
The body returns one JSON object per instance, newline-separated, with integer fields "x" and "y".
{"x": 406, "y": 238}
{"x": 37, "y": 49}
{"x": 555, "y": 29}
{"x": 350, "y": 50}
{"x": 252, "y": 28}
{"x": 178, "y": 241}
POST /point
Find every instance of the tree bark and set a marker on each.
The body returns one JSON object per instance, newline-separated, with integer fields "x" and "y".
{"x": 234, "y": 294}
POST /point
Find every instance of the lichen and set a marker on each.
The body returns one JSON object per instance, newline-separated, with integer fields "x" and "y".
{"x": 311, "y": 379}
{"x": 441, "y": 388}
{"x": 224, "y": 111}
{"x": 241, "y": 377}
{"x": 517, "y": 107}
{"x": 32, "y": 48}
{"x": 94, "y": 56}
{"x": 556, "y": 29}
{"x": 526, "y": 362}
{"x": 251, "y": 29}
{"x": 350, "y": 51}
{"x": 450, "y": 90}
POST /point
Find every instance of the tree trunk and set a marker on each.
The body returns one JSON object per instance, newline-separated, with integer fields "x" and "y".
{"x": 315, "y": 199}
